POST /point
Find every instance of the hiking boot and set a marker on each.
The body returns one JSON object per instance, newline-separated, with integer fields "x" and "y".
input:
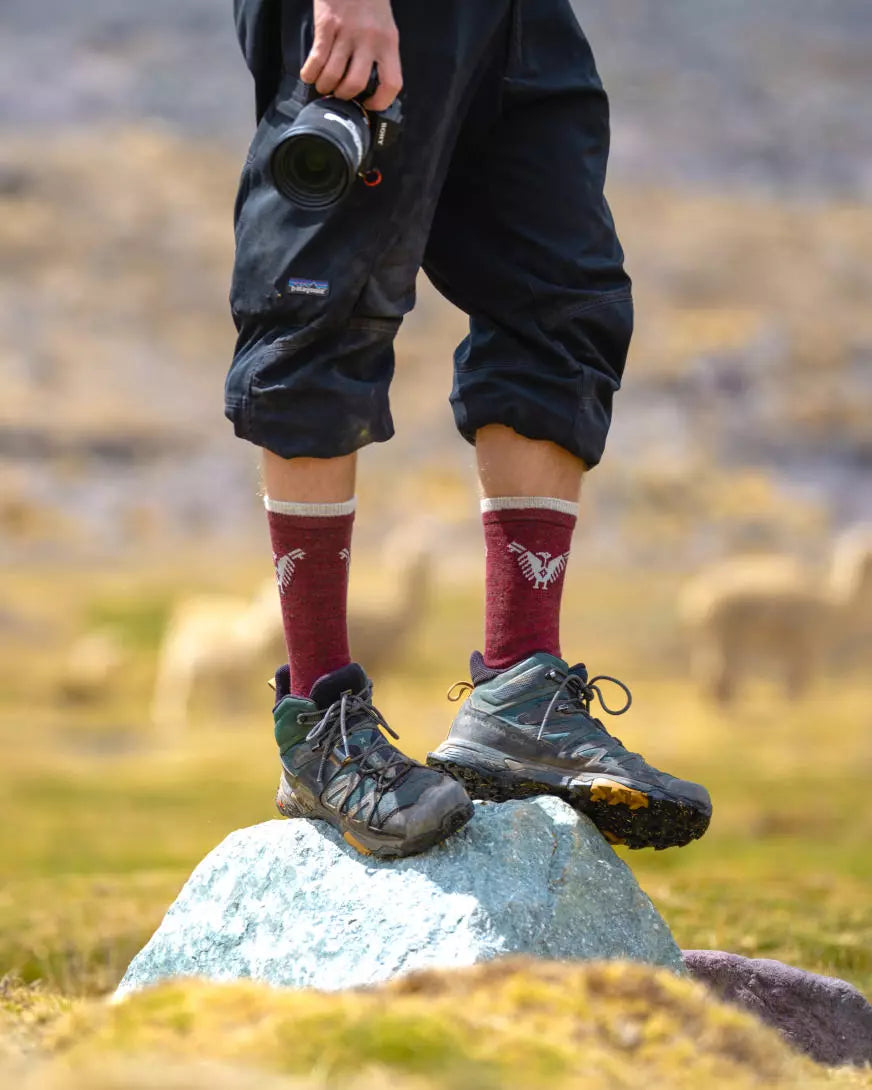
{"x": 528, "y": 731}
{"x": 338, "y": 766}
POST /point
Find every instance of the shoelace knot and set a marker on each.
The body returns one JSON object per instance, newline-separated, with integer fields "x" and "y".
{"x": 333, "y": 726}
{"x": 579, "y": 688}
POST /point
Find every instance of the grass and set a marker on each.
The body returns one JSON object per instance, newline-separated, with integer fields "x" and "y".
{"x": 107, "y": 824}
{"x": 512, "y": 1023}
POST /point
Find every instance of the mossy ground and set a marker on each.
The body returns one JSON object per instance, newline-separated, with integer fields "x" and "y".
{"x": 514, "y": 1023}
{"x": 104, "y": 823}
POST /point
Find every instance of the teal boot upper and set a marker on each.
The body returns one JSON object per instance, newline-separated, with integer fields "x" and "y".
{"x": 539, "y": 712}
{"x": 339, "y": 766}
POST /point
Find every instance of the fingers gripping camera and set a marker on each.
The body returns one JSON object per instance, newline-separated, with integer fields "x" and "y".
{"x": 330, "y": 144}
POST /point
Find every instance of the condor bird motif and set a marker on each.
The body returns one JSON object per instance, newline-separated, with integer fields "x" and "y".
{"x": 540, "y": 569}
{"x": 285, "y": 567}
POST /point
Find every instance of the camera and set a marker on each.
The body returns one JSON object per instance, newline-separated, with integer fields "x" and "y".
{"x": 332, "y": 142}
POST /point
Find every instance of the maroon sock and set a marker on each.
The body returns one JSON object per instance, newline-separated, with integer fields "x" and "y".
{"x": 312, "y": 551}
{"x": 527, "y": 542}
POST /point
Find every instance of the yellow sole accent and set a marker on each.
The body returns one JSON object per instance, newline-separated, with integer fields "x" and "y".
{"x": 355, "y": 843}
{"x": 611, "y": 838}
{"x": 616, "y": 794}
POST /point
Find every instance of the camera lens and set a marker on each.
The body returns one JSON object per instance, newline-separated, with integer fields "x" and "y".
{"x": 317, "y": 166}
{"x": 314, "y": 162}
{"x": 317, "y": 160}
{"x": 310, "y": 170}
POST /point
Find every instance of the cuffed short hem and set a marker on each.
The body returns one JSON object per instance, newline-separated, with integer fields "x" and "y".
{"x": 282, "y": 434}
{"x": 584, "y": 435}
{"x": 314, "y": 393}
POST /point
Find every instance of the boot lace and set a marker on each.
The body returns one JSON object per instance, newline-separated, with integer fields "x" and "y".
{"x": 580, "y": 691}
{"x": 332, "y": 728}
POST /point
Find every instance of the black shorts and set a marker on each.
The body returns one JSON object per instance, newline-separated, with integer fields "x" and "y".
{"x": 495, "y": 188}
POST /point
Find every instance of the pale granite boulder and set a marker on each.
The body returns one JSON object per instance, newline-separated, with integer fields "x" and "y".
{"x": 289, "y": 902}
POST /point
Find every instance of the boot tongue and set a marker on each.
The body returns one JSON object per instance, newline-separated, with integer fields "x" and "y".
{"x": 330, "y": 687}
{"x": 283, "y": 683}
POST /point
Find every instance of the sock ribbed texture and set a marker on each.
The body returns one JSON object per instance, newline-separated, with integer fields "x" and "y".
{"x": 312, "y": 553}
{"x": 527, "y": 541}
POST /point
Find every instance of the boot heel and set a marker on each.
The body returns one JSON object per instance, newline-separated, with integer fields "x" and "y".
{"x": 287, "y": 803}
{"x": 481, "y": 782}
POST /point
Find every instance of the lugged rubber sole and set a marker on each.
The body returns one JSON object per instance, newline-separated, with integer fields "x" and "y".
{"x": 623, "y": 814}
{"x": 371, "y": 841}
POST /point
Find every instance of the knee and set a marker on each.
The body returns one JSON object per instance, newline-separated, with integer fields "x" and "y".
{"x": 314, "y": 394}
{"x": 597, "y": 334}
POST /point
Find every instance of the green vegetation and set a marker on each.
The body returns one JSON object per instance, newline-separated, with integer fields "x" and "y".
{"x": 506, "y": 1024}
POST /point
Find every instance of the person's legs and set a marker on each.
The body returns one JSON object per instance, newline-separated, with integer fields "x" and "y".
{"x": 336, "y": 763}
{"x": 527, "y": 727}
{"x": 317, "y": 298}
{"x": 524, "y": 242}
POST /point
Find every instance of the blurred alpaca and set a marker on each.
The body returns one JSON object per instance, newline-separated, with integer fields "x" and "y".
{"x": 93, "y": 660}
{"x": 214, "y": 640}
{"x": 378, "y": 632}
{"x": 771, "y": 611}
{"x": 225, "y": 642}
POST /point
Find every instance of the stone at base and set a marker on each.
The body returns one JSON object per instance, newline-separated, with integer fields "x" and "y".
{"x": 290, "y": 903}
{"x": 827, "y": 1018}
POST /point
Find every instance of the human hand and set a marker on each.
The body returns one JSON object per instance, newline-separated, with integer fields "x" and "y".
{"x": 351, "y": 36}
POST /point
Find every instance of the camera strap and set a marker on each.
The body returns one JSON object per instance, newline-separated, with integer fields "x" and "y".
{"x": 303, "y": 92}
{"x": 290, "y": 105}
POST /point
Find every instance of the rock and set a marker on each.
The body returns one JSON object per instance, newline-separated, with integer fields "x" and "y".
{"x": 826, "y": 1018}
{"x": 289, "y": 902}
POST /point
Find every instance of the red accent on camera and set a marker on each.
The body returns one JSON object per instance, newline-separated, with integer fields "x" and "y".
{"x": 372, "y": 178}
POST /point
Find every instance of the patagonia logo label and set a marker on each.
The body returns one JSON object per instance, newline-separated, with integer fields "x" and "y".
{"x": 308, "y": 287}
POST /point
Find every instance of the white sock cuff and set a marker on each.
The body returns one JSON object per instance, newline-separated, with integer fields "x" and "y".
{"x": 521, "y": 503}
{"x": 310, "y": 510}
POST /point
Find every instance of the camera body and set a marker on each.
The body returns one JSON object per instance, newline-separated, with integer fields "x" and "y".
{"x": 332, "y": 142}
